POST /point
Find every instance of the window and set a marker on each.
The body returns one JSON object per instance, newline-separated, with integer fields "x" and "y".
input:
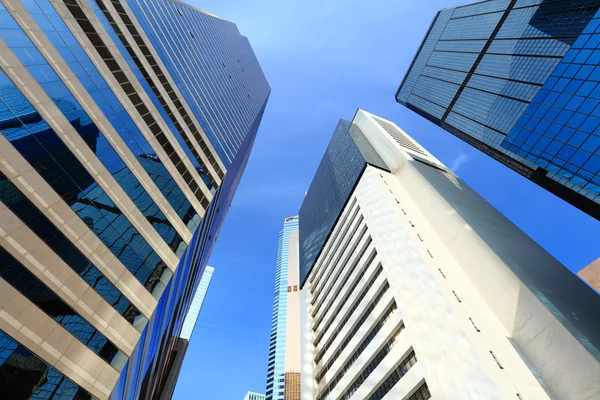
{"x": 496, "y": 359}
{"x": 373, "y": 364}
{"x": 422, "y": 393}
{"x": 395, "y": 376}
{"x": 457, "y": 298}
{"x": 356, "y": 354}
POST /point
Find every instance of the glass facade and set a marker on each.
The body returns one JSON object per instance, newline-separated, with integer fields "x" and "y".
{"x": 37, "y": 142}
{"x": 18, "y": 203}
{"x": 344, "y": 160}
{"x": 147, "y": 369}
{"x": 224, "y": 89}
{"x": 276, "y": 365}
{"x": 560, "y": 130}
{"x": 187, "y": 144}
{"x": 26, "y": 376}
{"x": 489, "y": 72}
{"x": 19, "y": 277}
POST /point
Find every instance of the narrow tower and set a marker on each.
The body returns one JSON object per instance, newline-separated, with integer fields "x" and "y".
{"x": 283, "y": 370}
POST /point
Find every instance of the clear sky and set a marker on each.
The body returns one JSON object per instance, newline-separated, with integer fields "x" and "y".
{"x": 323, "y": 60}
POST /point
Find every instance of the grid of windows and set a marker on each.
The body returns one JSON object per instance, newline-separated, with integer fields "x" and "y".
{"x": 342, "y": 164}
{"x": 560, "y": 130}
{"x": 49, "y": 156}
{"x": 77, "y": 60}
{"x": 359, "y": 350}
{"x": 523, "y": 74}
{"x": 387, "y": 347}
{"x": 335, "y": 297}
{"x": 141, "y": 107}
{"x": 342, "y": 303}
{"x": 366, "y": 313}
{"x": 212, "y": 39}
{"x": 224, "y": 88}
{"x": 184, "y": 140}
{"x": 25, "y": 376}
{"x": 19, "y": 277}
{"x": 89, "y": 76}
{"x": 421, "y": 394}
{"x": 12, "y": 197}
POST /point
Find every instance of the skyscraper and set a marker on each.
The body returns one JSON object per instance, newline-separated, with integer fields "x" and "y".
{"x": 126, "y": 126}
{"x": 192, "y": 315}
{"x": 518, "y": 80}
{"x": 283, "y": 369}
{"x": 182, "y": 344}
{"x": 422, "y": 289}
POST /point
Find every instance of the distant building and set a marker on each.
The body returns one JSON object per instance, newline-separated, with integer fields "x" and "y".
{"x": 182, "y": 344}
{"x": 192, "y": 315}
{"x": 518, "y": 80}
{"x": 283, "y": 369}
{"x": 254, "y": 396}
{"x": 421, "y": 289}
{"x": 591, "y": 274}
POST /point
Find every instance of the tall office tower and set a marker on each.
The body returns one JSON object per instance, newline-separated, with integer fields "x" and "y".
{"x": 186, "y": 333}
{"x": 518, "y": 80}
{"x": 283, "y": 370}
{"x": 254, "y": 396}
{"x": 125, "y": 128}
{"x": 413, "y": 286}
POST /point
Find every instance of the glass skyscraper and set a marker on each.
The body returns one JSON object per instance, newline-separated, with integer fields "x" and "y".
{"x": 286, "y": 276}
{"x": 517, "y": 79}
{"x": 125, "y": 128}
{"x": 347, "y": 155}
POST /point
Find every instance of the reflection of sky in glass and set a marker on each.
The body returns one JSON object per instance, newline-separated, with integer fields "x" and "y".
{"x": 50, "y": 384}
{"x": 19, "y": 277}
{"x": 50, "y": 157}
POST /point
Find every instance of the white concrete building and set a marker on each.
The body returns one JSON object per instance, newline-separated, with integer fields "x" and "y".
{"x": 254, "y": 396}
{"x": 423, "y": 290}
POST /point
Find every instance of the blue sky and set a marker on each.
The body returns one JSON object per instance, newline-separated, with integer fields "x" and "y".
{"x": 324, "y": 59}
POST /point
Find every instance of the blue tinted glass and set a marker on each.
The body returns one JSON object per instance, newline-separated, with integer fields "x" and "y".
{"x": 12, "y": 197}
{"x": 38, "y": 293}
{"x": 539, "y": 54}
{"x": 26, "y": 376}
{"x": 43, "y": 149}
{"x": 338, "y": 172}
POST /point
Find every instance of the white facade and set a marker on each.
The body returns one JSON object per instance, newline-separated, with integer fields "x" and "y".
{"x": 192, "y": 316}
{"x": 418, "y": 262}
{"x": 254, "y": 396}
